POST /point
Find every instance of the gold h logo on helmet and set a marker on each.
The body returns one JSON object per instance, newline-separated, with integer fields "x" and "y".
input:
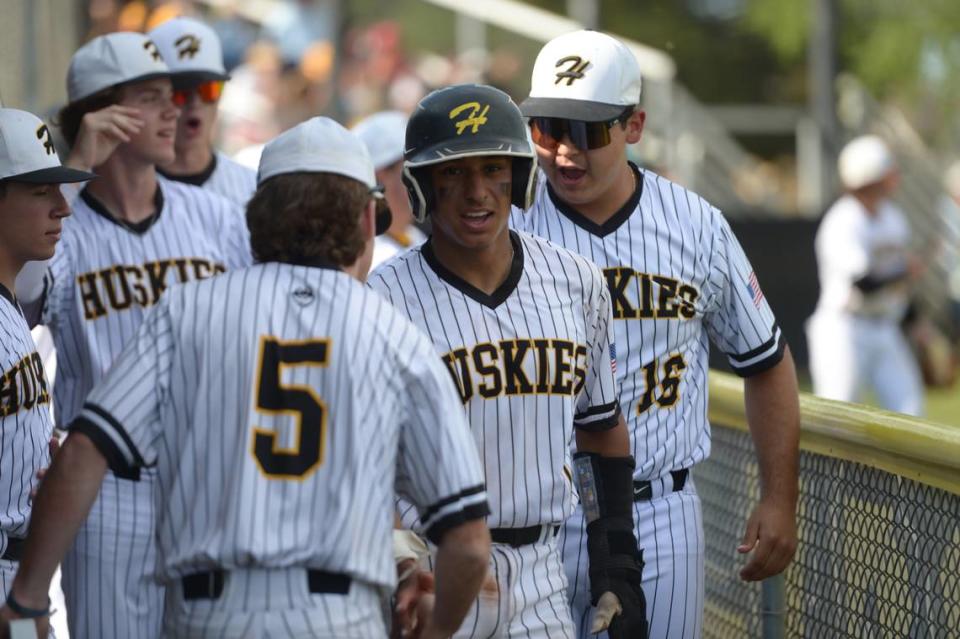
{"x": 475, "y": 119}
{"x": 152, "y": 49}
{"x": 574, "y": 71}
{"x": 188, "y": 46}
{"x": 43, "y": 134}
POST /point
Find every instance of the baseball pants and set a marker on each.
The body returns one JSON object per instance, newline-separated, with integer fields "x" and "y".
{"x": 275, "y": 603}
{"x": 107, "y": 575}
{"x": 849, "y": 354}
{"x": 669, "y": 529}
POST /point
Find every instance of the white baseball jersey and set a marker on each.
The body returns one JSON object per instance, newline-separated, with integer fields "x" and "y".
{"x": 25, "y": 421}
{"x": 851, "y": 245}
{"x": 387, "y": 245}
{"x": 275, "y": 402}
{"x": 225, "y": 177}
{"x": 106, "y": 274}
{"x": 530, "y": 361}
{"x": 677, "y": 275}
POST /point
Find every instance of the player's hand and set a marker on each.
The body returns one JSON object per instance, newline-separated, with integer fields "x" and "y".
{"x": 414, "y": 600}
{"x": 623, "y": 614}
{"x": 771, "y": 536}
{"x": 101, "y": 132}
{"x": 40, "y": 624}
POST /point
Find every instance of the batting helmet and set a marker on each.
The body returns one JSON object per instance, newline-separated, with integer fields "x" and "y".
{"x": 466, "y": 120}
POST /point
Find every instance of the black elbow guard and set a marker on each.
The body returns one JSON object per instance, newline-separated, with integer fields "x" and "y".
{"x": 616, "y": 562}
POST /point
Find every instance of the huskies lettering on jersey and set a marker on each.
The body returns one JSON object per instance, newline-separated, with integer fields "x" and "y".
{"x": 119, "y": 287}
{"x": 657, "y": 296}
{"x": 23, "y": 386}
{"x": 518, "y": 367}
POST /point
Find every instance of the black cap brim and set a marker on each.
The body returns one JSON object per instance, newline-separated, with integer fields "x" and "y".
{"x": 190, "y": 78}
{"x": 52, "y": 175}
{"x": 571, "y": 109}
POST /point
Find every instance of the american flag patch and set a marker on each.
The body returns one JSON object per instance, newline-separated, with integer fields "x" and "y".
{"x": 753, "y": 288}
{"x": 613, "y": 358}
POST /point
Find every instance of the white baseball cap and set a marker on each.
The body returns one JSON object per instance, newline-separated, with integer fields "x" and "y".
{"x": 113, "y": 59}
{"x": 865, "y": 160}
{"x": 191, "y": 49}
{"x": 384, "y": 135}
{"x": 27, "y": 153}
{"x": 584, "y": 75}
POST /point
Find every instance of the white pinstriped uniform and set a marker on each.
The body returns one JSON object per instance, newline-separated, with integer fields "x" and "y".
{"x": 677, "y": 276}
{"x": 100, "y": 283}
{"x": 272, "y": 400}
{"x": 531, "y": 361}
{"x": 225, "y": 177}
{"x": 25, "y": 427}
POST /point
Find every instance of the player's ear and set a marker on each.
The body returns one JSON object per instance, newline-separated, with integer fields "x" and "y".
{"x": 635, "y": 126}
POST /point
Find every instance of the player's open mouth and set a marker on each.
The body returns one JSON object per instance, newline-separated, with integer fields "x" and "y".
{"x": 192, "y": 125}
{"x": 476, "y": 219}
{"x": 571, "y": 175}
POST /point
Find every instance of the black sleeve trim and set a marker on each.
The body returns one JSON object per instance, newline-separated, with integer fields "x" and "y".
{"x": 475, "y": 511}
{"x": 107, "y": 448}
{"x": 597, "y": 410}
{"x": 466, "y": 492}
{"x": 117, "y": 426}
{"x": 873, "y": 283}
{"x": 600, "y": 424}
{"x": 764, "y": 364}
{"x": 742, "y": 357}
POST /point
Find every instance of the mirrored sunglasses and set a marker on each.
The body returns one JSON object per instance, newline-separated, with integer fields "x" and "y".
{"x": 209, "y": 92}
{"x": 586, "y": 136}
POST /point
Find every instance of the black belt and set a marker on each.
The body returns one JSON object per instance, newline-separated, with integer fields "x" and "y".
{"x": 14, "y": 549}
{"x": 643, "y": 490}
{"x": 209, "y": 585}
{"x": 521, "y": 536}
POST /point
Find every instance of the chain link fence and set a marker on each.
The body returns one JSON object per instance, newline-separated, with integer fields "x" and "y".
{"x": 878, "y": 558}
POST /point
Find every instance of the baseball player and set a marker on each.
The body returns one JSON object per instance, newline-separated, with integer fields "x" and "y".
{"x": 275, "y": 512}
{"x": 677, "y": 276}
{"x": 131, "y": 236}
{"x": 192, "y": 51}
{"x": 865, "y": 270}
{"x": 383, "y": 135}
{"x": 524, "y": 329}
{"x": 31, "y": 213}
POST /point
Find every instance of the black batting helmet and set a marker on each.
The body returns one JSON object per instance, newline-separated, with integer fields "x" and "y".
{"x": 466, "y": 120}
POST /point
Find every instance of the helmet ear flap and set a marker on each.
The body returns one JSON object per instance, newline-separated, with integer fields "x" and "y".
{"x": 418, "y": 186}
{"x": 524, "y": 182}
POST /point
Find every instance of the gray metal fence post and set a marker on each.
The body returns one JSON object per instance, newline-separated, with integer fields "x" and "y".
{"x": 773, "y": 605}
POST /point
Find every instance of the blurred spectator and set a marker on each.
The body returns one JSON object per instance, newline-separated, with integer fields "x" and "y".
{"x": 856, "y": 342}
{"x": 950, "y": 236}
{"x": 383, "y": 134}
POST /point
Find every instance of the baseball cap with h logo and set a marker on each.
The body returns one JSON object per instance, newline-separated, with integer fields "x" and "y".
{"x": 113, "y": 59}
{"x": 27, "y": 153}
{"x": 584, "y": 75}
{"x": 191, "y": 49}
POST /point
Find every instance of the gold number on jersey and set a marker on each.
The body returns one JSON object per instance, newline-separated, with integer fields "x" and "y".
{"x": 669, "y": 384}
{"x": 300, "y": 402}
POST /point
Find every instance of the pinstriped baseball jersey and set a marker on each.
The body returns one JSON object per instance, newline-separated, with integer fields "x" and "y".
{"x": 225, "y": 177}
{"x": 677, "y": 276}
{"x": 25, "y": 421}
{"x": 283, "y": 394}
{"x": 530, "y": 361}
{"x": 106, "y": 274}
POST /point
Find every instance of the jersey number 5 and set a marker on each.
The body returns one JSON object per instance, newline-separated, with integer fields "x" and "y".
{"x": 669, "y": 386}
{"x": 300, "y": 402}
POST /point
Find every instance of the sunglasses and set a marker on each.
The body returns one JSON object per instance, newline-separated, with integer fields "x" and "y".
{"x": 209, "y": 91}
{"x": 586, "y": 136}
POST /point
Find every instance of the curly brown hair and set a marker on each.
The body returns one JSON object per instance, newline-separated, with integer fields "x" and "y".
{"x": 297, "y": 217}
{"x": 71, "y": 115}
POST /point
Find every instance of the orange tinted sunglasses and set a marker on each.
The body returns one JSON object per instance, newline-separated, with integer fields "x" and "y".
{"x": 209, "y": 91}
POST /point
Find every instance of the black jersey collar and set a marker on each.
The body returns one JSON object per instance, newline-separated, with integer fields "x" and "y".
{"x": 196, "y": 179}
{"x": 496, "y": 298}
{"x": 140, "y": 227}
{"x": 615, "y": 221}
{"x": 7, "y": 295}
